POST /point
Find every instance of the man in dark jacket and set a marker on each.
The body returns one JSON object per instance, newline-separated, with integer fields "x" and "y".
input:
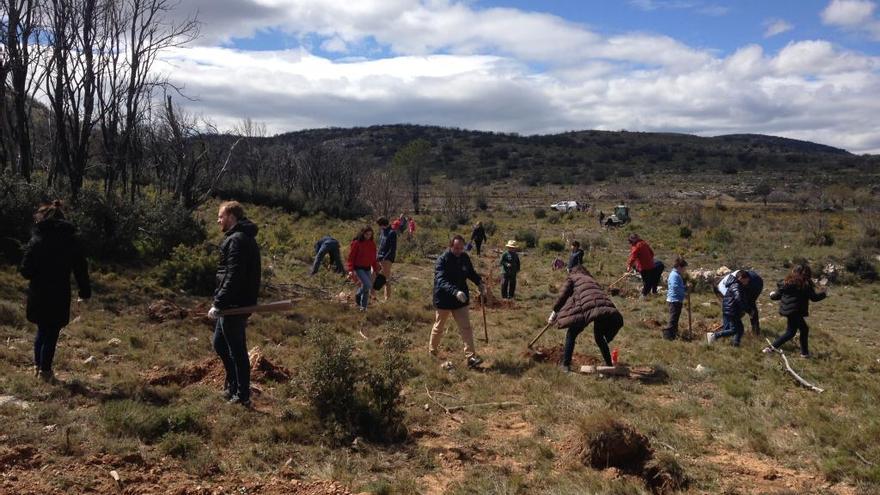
{"x": 478, "y": 236}
{"x": 451, "y": 297}
{"x": 238, "y": 284}
{"x": 576, "y": 257}
{"x": 734, "y": 305}
{"x": 387, "y": 251}
{"x": 49, "y": 258}
{"x": 327, "y": 245}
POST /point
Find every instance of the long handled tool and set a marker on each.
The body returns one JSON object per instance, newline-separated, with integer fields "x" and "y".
{"x": 485, "y": 325}
{"x": 272, "y": 307}
{"x": 618, "y": 280}
{"x": 539, "y": 335}
{"x": 690, "y": 319}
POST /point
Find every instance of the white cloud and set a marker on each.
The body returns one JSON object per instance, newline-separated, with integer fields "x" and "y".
{"x": 776, "y": 27}
{"x": 853, "y": 15}
{"x": 516, "y": 71}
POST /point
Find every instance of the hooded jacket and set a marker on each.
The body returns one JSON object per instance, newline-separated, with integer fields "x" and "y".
{"x": 642, "y": 255}
{"x": 509, "y": 263}
{"x": 387, "y": 245}
{"x": 478, "y": 235}
{"x": 581, "y": 302}
{"x": 795, "y": 300}
{"x": 575, "y": 258}
{"x": 49, "y": 258}
{"x": 451, "y": 274}
{"x": 239, "y": 271}
{"x": 735, "y": 302}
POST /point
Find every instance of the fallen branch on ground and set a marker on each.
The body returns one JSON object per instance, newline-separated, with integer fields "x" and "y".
{"x": 452, "y": 409}
{"x": 790, "y": 370}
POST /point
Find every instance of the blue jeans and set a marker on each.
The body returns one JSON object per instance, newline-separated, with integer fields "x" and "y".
{"x": 44, "y": 347}
{"x": 333, "y": 250}
{"x": 230, "y": 342}
{"x": 362, "y": 298}
{"x": 731, "y": 325}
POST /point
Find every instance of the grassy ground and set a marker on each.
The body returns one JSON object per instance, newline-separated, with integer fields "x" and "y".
{"x": 742, "y": 426}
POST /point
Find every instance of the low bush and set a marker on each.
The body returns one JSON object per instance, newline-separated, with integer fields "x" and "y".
{"x": 540, "y": 213}
{"x": 823, "y": 238}
{"x": 108, "y": 227}
{"x": 554, "y": 245}
{"x": 150, "y": 423}
{"x": 11, "y": 315}
{"x": 167, "y": 225}
{"x": 18, "y": 202}
{"x": 860, "y": 265}
{"x": 528, "y": 236}
{"x": 191, "y": 268}
{"x": 685, "y": 232}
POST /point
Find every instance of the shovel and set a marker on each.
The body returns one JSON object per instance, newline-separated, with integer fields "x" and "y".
{"x": 615, "y": 291}
{"x": 690, "y": 334}
{"x": 539, "y": 335}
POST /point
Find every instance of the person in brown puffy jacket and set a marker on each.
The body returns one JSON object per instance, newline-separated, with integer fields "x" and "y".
{"x": 581, "y": 302}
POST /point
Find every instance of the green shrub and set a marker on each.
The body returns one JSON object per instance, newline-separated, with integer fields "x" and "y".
{"x": 554, "y": 219}
{"x": 11, "y": 315}
{"x": 685, "y": 232}
{"x": 529, "y": 236}
{"x": 18, "y": 202}
{"x": 721, "y": 235}
{"x": 192, "y": 269}
{"x": 823, "y": 238}
{"x": 149, "y": 423}
{"x": 384, "y": 383}
{"x": 540, "y": 213}
{"x": 329, "y": 378}
{"x": 180, "y": 445}
{"x": 860, "y": 265}
{"x": 108, "y": 227}
{"x": 554, "y": 245}
{"x": 167, "y": 225}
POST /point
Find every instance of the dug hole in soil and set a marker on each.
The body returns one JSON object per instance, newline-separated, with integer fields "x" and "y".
{"x": 605, "y": 443}
{"x": 210, "y": 371}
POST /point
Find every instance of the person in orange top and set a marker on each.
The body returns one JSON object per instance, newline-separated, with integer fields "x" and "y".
{"x": 362, "y": 259}
{"x": 641, "y": 257}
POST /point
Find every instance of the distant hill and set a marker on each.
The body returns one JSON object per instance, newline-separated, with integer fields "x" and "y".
{"x": 580, "y": 156}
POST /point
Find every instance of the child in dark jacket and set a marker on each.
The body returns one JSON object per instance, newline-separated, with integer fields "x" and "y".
{"x": 794, "y": 296}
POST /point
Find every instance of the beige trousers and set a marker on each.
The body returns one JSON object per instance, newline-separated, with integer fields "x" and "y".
{"x": 462, "y": 319}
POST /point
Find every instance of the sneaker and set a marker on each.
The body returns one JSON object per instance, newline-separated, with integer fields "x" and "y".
{"x": 227, "y": 394}
{"x": 806, "y": 356}
{"x": 474, "y": 361}
{"x": 710, "y": 337}
{"x": 565, "y": 368}
{"x": 46, "y": 376}
{"x": 236, "y": 400}
{"x": 768, "y": 350}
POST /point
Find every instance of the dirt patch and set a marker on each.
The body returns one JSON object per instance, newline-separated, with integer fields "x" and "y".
{"x": 554, "y": 355}
{"x": 20, "y": 455}
{"x": 164, "y": 310}
{"x": 618, "y": 449}
{"x": 210, "y": 371}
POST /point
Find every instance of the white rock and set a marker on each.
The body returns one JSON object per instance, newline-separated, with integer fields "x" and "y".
{"x": 11, "y": 400}
{"x": 114, "y": 341}
{"x": 91, "y": 360}
{"x": 701, "y": 369}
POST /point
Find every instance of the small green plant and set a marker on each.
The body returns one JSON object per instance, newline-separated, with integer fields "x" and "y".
{"x": 554, "y": 245}
{"x": 823, "y": 238}
{"x": 685, "y": 232}
{"x": 149, "y": 423}
{"x": 860, "y": 265}
{"x": 192, "y": 269}
{"x": 540, "y": 213}
{"x": 528, "y": 236}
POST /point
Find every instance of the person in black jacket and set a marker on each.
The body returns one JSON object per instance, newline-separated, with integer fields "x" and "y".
{"x": 49, "y": 258}
{"x": 794, "y": 296}
{"x": 734, "y": 305}
{"x": 387, "y": 252}
{"x": 478, "y": 236}
{"x": 576, "y": 257}
{"x": 451, "y": 297}
{"x": 751, "y": 294}
{"x": 238, "y": 284}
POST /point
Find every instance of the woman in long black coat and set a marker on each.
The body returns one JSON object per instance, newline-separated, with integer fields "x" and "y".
{"x": 51, "y": 255}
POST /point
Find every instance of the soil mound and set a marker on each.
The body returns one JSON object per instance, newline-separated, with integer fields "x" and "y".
{"x": 211, "y": 371}
{"x": 554, "y": 355}
{"x": 164, "y": 310}
{"x": 607, "y": 443}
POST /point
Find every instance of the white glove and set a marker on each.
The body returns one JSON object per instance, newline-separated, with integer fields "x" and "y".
{"x": 213, "y": 313}
{"x": 461, "y": 296}
{"x": 552, "y": 317}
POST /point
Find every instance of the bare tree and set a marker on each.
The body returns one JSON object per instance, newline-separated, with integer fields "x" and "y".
{"x": 251, "y": 156}
{"x": 382, "y": 192}
{"x": 137, "y": 31}
{"x": 412, "y": 161}
{"x": 20, "y": 20}
{"x": 328, "y": 177}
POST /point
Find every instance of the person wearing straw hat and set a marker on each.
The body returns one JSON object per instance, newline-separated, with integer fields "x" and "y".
{"x": 509, "y": 269}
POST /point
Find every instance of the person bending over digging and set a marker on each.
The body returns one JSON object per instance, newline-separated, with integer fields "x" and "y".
{"x": 238, "y": 284}
{"x": 327, "y": 246}
{"x": 734, "y": 305}
{"x": 581, "y": 302}
{"x": 451, "y": 296}
{"x": 794, "y": 296}
{"x": 675, "y": 295}
{"x": 641, "y": 257}
{"x": 751, "y": 294}
{"x": 509, "y": 269}
{"x": 52, "y": 254}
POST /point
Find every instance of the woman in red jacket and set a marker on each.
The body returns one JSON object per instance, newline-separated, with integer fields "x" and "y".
{"x": 641, "y": 257}
{"x": 362, "y": 259}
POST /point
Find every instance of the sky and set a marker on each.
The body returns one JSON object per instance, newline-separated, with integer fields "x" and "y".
{"x": 804, "y": 69}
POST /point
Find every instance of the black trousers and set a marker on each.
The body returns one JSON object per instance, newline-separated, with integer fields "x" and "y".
{"x": 650, "y": 279}
{"x": 230, "y": 343}
{"x": 44, "y": 346}
{"x": 604, "y": 331}
{"x": 755, "y": 319}
{"x": 795, "y": 323}
{"x": 508, "y": 286}
{"x": 671, "y": 330}
{"x": 478, "y": 245}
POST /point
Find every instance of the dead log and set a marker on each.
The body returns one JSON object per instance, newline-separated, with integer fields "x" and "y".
{"x": 793, "y": 373}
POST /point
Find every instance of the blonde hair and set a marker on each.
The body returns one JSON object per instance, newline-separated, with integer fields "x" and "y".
{"x": 234, "y": 208}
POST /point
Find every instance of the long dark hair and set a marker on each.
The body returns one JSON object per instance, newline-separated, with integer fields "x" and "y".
{"x": 361, "y": 235}
{"x": 52, "y": 210}
{"x": 800, "y": 276}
